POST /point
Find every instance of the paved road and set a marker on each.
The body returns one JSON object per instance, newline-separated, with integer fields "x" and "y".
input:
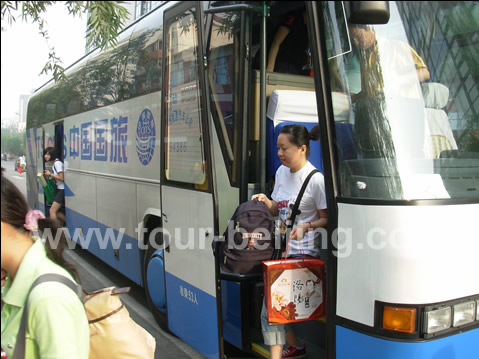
{"x": 14, "y": 176}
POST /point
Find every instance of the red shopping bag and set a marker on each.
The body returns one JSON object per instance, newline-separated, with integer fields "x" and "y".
{"x": 294, "y": 289}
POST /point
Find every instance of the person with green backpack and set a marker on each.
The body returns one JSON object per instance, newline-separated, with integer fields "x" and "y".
{"x": 56, "y": 324}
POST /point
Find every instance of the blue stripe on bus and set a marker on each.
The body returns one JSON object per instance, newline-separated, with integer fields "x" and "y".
{"x": 130, "y": 258}
{"x": 352, "y": 344}
{"x": 231, "y": 303}
{"x": 192, "y": 315}
{"x": 68, "y": 191}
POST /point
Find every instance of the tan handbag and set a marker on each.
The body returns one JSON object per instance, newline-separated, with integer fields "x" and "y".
{"x": 113, "y": 334}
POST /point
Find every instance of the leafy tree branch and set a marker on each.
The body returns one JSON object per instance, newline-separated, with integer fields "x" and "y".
{"x": 106, "y": 20}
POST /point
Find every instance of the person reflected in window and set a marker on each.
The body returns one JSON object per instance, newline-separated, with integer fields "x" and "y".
{"x": 400, "y": 56}
{"x": 389, "y": 69}
{"x": 289, "y": 52}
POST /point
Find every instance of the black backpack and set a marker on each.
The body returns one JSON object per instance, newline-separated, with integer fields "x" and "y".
{"x": 248, "y": 240}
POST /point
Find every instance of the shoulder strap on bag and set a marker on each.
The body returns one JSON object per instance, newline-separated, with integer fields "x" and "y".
{"x": 19, "y": 351}
{"x": 298, "y": 199}
{"x": 294, "y": 212}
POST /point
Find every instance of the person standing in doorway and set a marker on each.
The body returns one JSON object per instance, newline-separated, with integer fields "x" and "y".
{"x": 305, "y": 241}
{"x": 50, "y": 155}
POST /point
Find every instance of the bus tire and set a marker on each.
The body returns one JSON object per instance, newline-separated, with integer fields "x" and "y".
{"x": 153, "y": 263}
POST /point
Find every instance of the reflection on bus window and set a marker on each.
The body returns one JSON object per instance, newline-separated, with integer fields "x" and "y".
{"x": 221, "y": 78}
{"x": 408, "y": 129}
{"x": 184, "y": 156}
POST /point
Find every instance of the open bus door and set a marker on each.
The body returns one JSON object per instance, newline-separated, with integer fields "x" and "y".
{"x": 189, "y": 264}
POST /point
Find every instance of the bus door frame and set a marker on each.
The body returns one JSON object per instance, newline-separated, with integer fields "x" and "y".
{"x": 246, "y": 12}
{"x": 167, "y": 216}
{"x": 326, "y": 123}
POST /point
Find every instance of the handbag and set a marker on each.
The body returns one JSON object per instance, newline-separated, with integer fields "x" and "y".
{"x": 294, "y": 287}
{"x": 113, "y": 333}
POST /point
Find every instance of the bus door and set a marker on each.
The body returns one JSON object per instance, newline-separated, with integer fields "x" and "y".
{"x": 188, "y": 209}
{"x": 52, "y": 137}
{"x": 35, "y": 141}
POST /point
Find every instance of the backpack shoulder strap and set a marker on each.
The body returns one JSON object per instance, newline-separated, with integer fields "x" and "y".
{"x": 19, "y": 351}
{"x": 300, "y": 196}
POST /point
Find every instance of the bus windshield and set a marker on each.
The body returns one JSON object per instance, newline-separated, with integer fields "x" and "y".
{"x": 405, "y": 101}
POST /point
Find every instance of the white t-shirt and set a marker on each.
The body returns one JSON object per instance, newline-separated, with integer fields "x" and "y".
{"x": 286, "y": 189}
{"x": 57, "y": 168}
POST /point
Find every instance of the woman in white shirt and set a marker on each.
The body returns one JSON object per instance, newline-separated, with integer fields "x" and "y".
{"x": 293, "y": 151}
{"x": 50, "y": 155}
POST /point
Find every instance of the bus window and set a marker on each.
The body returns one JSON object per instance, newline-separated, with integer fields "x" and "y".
{"x": 184, "y": 155}
{"x": 406, "y": 129}
{"x": 143, "y": 73}
{"x": 106, "y": 87}
{"x": 223, "y": 50}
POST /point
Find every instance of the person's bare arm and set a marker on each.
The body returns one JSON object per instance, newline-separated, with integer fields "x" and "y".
{"x": 423, "y": 74}
{"x": 281, "y": 34}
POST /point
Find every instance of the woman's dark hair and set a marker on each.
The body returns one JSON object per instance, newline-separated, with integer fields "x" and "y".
{"x": 52, "y": 151}
{"x": 298, "y": 135}
{"x": 14, "y": 209}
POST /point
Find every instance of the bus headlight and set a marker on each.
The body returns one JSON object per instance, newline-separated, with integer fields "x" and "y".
{"x": 477, "y": 309}
{"x": 464, "y": 313}
{"x": 437, "y": 320}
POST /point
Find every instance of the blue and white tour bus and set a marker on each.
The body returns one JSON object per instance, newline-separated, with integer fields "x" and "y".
{"x": 165, "y": 134}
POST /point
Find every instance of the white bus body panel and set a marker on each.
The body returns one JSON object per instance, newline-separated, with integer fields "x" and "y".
{"x": 111, "y": 181}
{"x": 405, "y": 256}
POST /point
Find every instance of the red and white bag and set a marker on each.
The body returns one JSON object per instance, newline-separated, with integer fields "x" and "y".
{"x": 294, "y": 289}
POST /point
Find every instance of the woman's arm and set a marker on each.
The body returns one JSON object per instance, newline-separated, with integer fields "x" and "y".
{"x": 270, "y": 204}
{"x": 58, "y": 177}
{"x": 300, "y": 230}
{"x": 281, "y": 34}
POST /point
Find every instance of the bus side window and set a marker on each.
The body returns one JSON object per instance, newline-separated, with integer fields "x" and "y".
{"x": 222, "y": 53}
{"x": 184, "y": 145}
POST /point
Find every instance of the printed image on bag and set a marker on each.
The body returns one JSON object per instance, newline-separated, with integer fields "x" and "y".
{"x": 294, "y": 290}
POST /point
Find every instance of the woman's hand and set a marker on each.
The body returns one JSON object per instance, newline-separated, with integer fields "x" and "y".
{"x": 298, "y": 232}
{"x": 271, "y": 205}
{"x": 47, "y": 173}
{"x": 261, "y": 197}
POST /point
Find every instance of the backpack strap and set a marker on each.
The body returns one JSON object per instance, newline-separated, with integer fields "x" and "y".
{"x": 19, "y": 351}
{"x": 298, "y": 199}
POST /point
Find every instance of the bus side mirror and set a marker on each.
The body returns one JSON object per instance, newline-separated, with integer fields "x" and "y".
{"x": 367, "y": 12}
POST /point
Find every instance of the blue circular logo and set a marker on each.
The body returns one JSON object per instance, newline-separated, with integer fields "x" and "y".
{"x": 145, "y": 137}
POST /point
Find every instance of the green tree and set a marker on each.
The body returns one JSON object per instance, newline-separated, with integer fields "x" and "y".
{"x": 106, "y": 20}
{"x": 13, "y": 144}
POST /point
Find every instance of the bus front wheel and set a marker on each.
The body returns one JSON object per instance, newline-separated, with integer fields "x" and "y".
{"x": 154, "y": 282}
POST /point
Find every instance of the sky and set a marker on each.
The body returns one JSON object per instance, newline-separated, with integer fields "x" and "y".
{"x": 25, "y": 52}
